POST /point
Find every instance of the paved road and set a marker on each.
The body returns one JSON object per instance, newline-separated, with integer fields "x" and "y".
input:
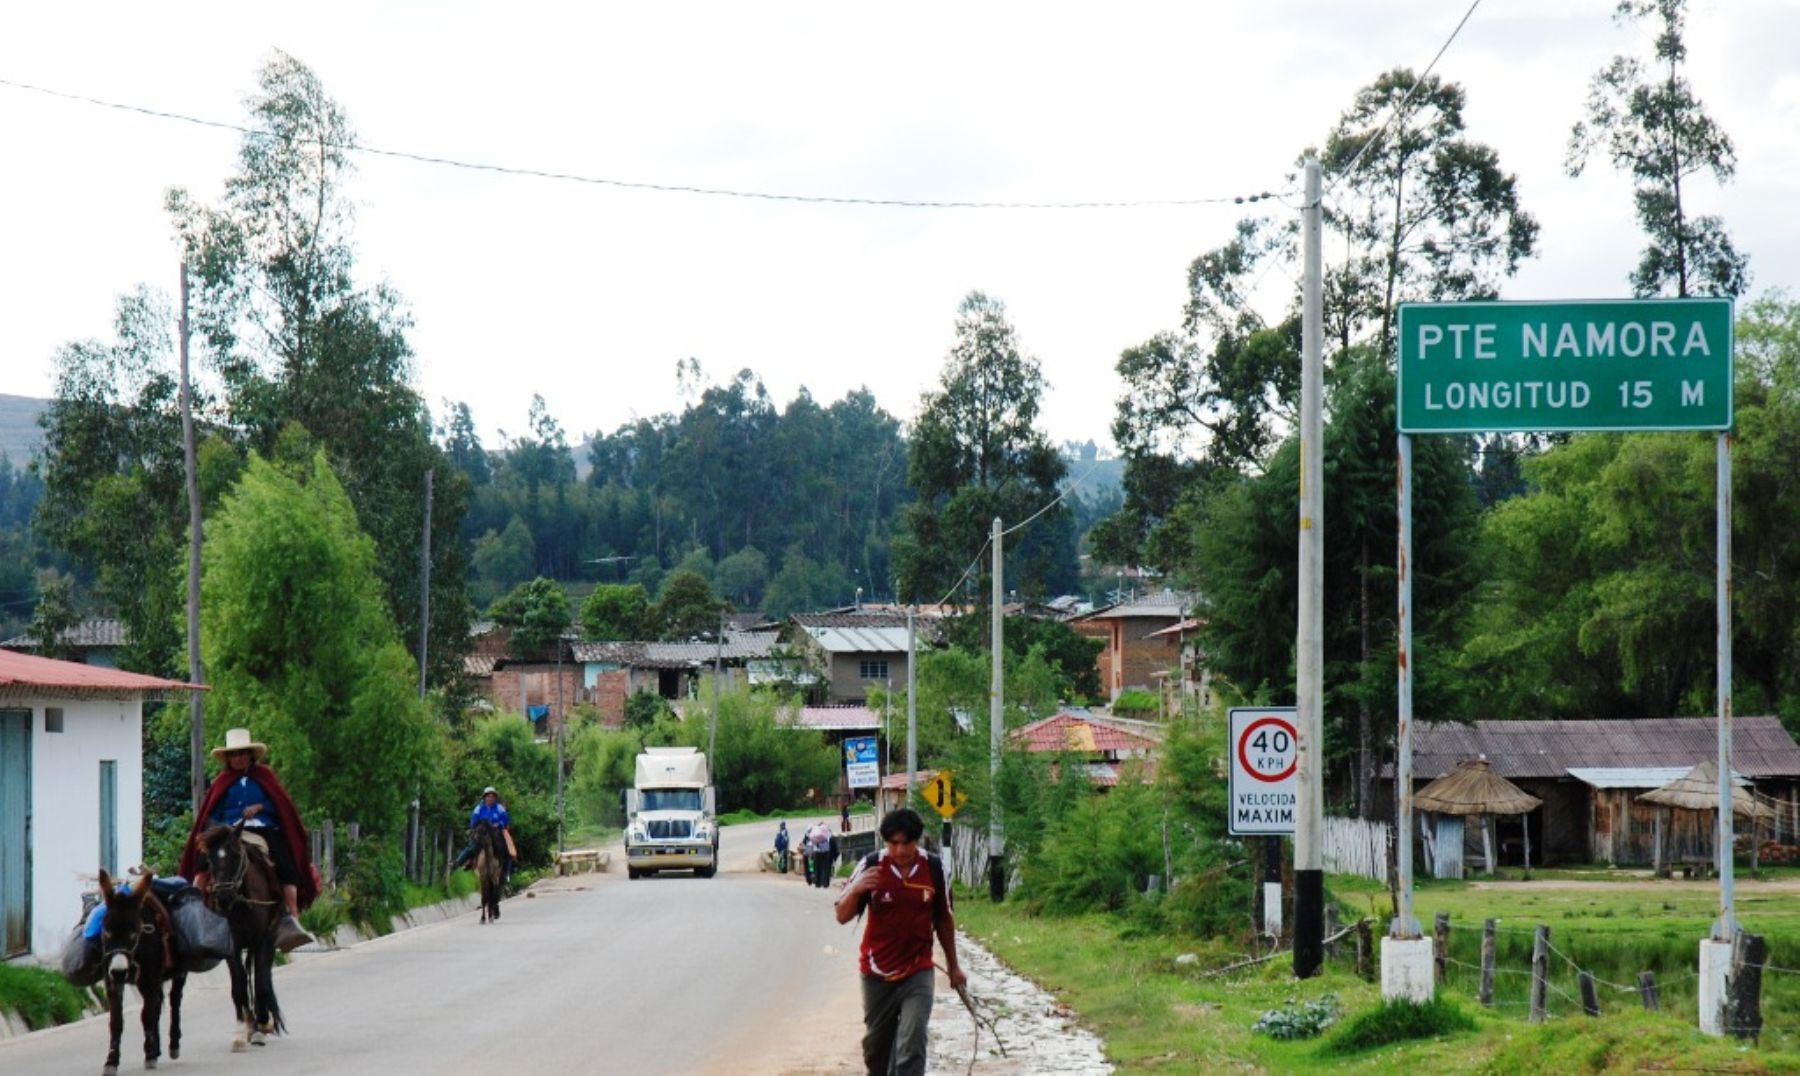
{"x": 745, "y": 972}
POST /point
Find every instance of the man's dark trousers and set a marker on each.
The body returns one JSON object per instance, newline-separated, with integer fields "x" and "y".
{"x": 895, "y": 1018}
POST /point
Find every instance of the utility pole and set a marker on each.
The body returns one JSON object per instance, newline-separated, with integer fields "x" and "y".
{"x": 1309, "y": 878}
{"x": 996, "y": 721}
{"x": 712, "y": 728}
{"x": 196, "y": 674}
{"x": 912, "y": 706}
{"x": 425, "y": 584}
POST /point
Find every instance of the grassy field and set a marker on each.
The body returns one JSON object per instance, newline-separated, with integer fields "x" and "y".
{"x": 1157, "y": 1014}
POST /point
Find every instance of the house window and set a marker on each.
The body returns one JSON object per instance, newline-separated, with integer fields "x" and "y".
{"x": 874, "y": 670}
{"x": 53, "y": 719}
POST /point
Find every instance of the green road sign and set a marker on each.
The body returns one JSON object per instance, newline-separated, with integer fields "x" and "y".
{"x": 1627, "y": 364}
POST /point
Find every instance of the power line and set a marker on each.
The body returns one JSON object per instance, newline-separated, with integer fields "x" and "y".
{"x": 1067, "y": 488}
{"x": 641, "y": 185}
{"x": 1401, "y": 110}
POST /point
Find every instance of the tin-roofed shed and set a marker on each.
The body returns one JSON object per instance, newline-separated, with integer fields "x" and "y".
{"x": 1588, "y": 774}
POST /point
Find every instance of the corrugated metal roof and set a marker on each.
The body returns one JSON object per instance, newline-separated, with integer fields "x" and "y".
{"x": 1543, "y": 748}
{"x": 1167, "y": 604}
{"x": 92, "y": 632}
{"x": 850, "y": 620}
{"x": 860, "y": 640}
{"x": 1635, "y": 776}
{"x": 837, "y": 718}
{"x": 479, "y": 664}
{"x": 739, "y": 646}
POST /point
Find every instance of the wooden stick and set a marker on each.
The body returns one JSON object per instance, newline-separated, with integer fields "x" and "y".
{"x": 1487, "y": 963}
{"x": 1647, "y": 991}
{"x": 1440, "y": 945}
{"x": 1590, "y": 998}
{"x": 1540, "y": 972}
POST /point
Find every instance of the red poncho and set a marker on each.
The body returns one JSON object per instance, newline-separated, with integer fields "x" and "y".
{"x": 292, "y": 830}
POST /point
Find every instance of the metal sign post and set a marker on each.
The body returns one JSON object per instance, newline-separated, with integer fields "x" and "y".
{"x": 1627, "y": 365}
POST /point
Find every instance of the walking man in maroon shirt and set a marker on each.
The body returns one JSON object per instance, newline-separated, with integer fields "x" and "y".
{"x": 905, "y": 894}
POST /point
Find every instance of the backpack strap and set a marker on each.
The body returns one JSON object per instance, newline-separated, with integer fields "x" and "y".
{"x": 936, "y": 863}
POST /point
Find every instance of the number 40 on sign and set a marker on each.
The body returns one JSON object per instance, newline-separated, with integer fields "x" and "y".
{"x": 1264, "y": 758}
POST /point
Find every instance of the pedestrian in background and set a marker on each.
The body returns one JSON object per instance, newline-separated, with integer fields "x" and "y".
{"x": 781, "y": 849}
{"x": 903, "y": 889}
{"x": 845, "y": 816}
{"x": 818, "y": 843}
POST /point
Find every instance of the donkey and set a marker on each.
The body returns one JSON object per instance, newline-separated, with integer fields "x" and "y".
{"x": 246, "y": 892}
{"x": 138, "y": 942}
{"x": 488, "y": 869}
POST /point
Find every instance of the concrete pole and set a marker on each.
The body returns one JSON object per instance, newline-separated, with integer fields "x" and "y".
{"x": 912, "y": 706}
{"x": 196, "y": 673}
{"x": 996, "y": 722}
{"x": 425, "y": 584}
{"x": 1309, "y": 878}
{"x": 1405, "y": 924}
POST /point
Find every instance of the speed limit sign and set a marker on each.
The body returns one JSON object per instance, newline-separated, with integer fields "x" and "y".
{"x": 1264, "y": 758}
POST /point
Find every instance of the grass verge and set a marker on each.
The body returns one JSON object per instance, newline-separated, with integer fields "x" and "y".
{"x": 39, "y": 996}
{"x": 1155, "y": 1013}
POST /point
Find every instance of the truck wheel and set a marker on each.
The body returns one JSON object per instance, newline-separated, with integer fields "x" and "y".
{"x": 708, "y": 872}
{"x": 633, "y": 873}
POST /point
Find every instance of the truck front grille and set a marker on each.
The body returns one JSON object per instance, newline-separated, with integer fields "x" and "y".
{"x": 672, "y": 828}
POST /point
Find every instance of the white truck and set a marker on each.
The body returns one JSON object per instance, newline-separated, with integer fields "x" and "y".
{"x": 669, "y": 822}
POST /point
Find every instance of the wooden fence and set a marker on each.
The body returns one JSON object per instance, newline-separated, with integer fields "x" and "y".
{"x": 1359, "y": 847}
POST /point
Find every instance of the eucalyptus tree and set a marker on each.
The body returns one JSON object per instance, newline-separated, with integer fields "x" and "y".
{"x": 1649, "y": 122}
{"x": 976, "y": 452}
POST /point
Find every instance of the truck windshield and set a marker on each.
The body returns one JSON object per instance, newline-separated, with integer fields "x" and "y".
{"x": 669, "y": 799}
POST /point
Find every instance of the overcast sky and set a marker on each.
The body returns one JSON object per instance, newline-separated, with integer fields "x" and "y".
{"x": 589, "y": 295}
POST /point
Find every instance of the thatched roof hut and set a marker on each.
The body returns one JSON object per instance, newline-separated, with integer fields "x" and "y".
{"x": 1698, "y": 790}
{"x": 1474, "y": 788}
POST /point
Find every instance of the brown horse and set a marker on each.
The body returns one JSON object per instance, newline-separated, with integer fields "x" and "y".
{"x": 488, "y": 868}
{"x": 138, "y": 942}
{"x": 247, "y": 893}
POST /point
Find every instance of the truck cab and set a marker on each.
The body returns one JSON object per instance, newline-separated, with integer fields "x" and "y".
{"x": 669, "y": 814}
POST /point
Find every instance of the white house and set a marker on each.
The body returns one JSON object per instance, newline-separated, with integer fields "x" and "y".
{"x": 71, "y": 790}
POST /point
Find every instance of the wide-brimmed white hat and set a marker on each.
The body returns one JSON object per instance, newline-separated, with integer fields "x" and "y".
{"x": 489, "y": 791}
{"x": 239, "y": 740}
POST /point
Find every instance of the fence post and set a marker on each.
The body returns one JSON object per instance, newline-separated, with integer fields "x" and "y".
{"x": 330, "y": 854}
{"x": 1590, "y": 998}
{"x": 1540, "y": 972}
{"x": 1331, "y": 928}
{"x": 1743, "y": 990}
{"x": 1365, "y": 951}
{"x": 1487, "y": 963}
{"x": 1647, "y": 991}
{"x": 1440, "y": 947}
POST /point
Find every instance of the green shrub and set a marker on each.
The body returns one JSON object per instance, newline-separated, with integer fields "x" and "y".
{"x": 1210, "y": 904}
{"x": 40, "y": 997}
{"x": 1299, "y": 1019}
{"x": 1101, "y": 854}
{"x": 1399, "y": 1021}
{"x": 1136, "y": 703}
{"x": 371, "y": 882}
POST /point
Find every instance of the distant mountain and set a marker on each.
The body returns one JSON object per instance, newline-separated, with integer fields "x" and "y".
{"x": 20, "y": 435}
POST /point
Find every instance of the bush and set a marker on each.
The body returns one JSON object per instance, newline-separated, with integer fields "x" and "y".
{"x": 1135, "y": 704}
{"x": 1299, "y": 1019}
{"x": 761, "y": 764}
{"x": 1210, "y": 904}
{"x": 1399, "y": 1021}
{"x": 1101, "y": 854}
{"x": 371, "y": 882}
{"x": 40, "y": 997}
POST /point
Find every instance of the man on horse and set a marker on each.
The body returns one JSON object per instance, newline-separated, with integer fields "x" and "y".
{"x": 493, "y": 812}
{"x": 248, "y": 792}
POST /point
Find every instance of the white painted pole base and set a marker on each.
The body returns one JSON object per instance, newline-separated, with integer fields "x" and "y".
{"x": 1715, "y": 965}
{"x": 1406, "y": 969}
{"x": 1272, "y": 909}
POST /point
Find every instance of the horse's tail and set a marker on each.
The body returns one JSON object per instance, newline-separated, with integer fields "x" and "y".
{"x": 276, "y": 1022}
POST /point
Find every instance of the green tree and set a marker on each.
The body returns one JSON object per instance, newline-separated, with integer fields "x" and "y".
{"x": 538, "y": 614}
{"x": 1428, "y": 213}
{"x": 742, "y": 577}
{"x": 503, "y": 560}
{"x": 760, "y": 762}
{"x": 615, "y": 612}
{"x": 1071, "y": 654}
{"x": 300, "y": 649}
{"x": 1650, "y": 123}
{"x": 977, "y": 453}
{"x": 55, "y": 614}
{"x": 686, "y": 606}
{"x": 293, "y": 338}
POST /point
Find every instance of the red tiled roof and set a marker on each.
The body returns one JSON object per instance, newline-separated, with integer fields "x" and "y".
{"x": 1069, "y": 731}
{"x": 26, "y": 672}
{"x": 896, "y": 782}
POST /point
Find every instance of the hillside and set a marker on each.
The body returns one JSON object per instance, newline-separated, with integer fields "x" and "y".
{"x": 19, "y": 432}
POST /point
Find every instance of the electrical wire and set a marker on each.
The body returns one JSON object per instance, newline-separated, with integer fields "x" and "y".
{"x": 1401, "y": 110}
{"x": 643, "y": 185}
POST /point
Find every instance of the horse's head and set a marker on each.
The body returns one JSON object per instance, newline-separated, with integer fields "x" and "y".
{"x": 227, "y": 860}
{"x": 125, "y": 923}
{"x": 483, "y": 833}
